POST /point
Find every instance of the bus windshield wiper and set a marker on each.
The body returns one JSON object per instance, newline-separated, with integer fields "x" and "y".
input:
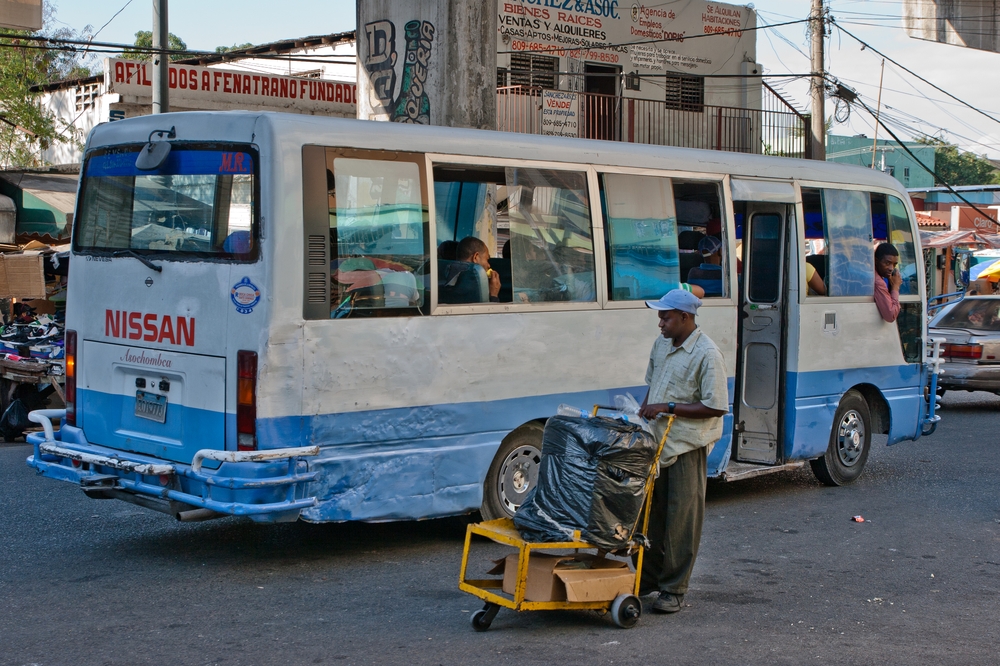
{"x": 133, "y": 253}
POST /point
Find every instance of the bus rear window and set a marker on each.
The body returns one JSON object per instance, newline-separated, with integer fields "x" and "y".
{"x": 199, "y": 204}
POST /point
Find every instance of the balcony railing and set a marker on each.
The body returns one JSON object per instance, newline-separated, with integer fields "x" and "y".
{"x": 775, "y": 129}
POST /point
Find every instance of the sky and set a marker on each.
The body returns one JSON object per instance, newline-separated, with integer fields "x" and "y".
{"x": 910, "y": 106}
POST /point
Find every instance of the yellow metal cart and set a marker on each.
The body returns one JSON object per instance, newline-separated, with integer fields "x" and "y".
{"x": 625, "y": 609}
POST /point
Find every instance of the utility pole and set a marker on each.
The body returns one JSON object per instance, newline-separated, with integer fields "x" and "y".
{"x": 817, "y": 134}
{"x": 161, "y": 72}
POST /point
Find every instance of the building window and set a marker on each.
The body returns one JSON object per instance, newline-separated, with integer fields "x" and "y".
{"x": 309, "y": 74}
{"x": 685, "y": 93}
{"x": 501, "y": 77}
{"x": 533, "y": 71}
{"x": 86, "y": 96}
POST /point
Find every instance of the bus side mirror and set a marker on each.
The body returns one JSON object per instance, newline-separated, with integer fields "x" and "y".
{"x": 155, "y": 153}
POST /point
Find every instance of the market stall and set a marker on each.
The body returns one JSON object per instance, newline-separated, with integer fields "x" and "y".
{"x": 949, "y": 256}
{"x": 32, "y": 366}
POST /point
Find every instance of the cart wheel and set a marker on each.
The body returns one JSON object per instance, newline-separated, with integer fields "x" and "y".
{"x": 483, "y": 618}
{"x": 626, "y": 610}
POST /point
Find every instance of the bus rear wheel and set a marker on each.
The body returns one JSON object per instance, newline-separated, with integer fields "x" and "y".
{"x": 513, "y": 472}
{"x": 850, "y": 441}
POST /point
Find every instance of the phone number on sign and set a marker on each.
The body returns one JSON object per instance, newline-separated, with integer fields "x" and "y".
{"x": 520, "y": 45}
{"x": 718, "y": 29}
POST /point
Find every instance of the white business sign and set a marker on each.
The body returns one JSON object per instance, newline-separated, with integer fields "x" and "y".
{"x": 689, "y": 36}
{"x": 560, "y": 113}
{"x": 191, "y": 85}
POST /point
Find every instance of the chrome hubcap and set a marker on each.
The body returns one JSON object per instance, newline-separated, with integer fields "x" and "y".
{"x": 850, "y": 438}
{"x": 518, "y": 475}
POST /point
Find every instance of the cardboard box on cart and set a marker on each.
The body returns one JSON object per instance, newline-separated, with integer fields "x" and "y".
{"x": 576, "y": 577}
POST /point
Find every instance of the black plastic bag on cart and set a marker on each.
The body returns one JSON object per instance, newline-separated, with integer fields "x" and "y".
{"x": 592, "y": 478}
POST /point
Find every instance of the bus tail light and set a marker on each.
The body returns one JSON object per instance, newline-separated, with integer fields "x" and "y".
{"x": 963, "y": 351}
{"x": 70, "y": 388}
{"x": 246, "y": 400}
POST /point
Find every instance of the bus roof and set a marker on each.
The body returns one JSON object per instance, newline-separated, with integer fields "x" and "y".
{"x": 247, "y": 126}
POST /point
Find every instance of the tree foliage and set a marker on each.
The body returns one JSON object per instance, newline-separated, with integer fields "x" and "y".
{"x": 959, "y": 168}
{"x": 26, "y": 127}
{"x": 144, "y": 41}
{"x": 234, "y": 47}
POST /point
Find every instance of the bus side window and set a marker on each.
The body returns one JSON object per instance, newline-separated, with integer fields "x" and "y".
{"x": 535, "y": 224}
{"x": 641, "y": 231}
{"x": 848, "y": 221}
{"x": 838, "y": 231}
{"x": 378, "y": 236}
{"x": 468, "y": 202}
{"x": 702, "y": 260}
{"x": 551, "y": 243}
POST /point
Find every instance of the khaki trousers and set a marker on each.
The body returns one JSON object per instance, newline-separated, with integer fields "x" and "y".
{"x": 676, "y": 517}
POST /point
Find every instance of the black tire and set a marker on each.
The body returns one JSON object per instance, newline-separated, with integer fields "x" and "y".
{"x": 850, "y": 441}
{"x": 626, "y": 611}
{"x": 513, "y": 472}
{"x": 478, "y": 621}
{"x": 483, "y": 618}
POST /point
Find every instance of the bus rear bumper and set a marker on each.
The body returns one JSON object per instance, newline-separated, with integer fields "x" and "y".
{"x": 265, "y": 486}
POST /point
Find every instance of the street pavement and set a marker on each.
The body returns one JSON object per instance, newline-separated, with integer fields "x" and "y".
{"x": 784, "y": 577}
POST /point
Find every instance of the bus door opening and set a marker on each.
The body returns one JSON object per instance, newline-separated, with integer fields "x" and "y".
{"x": 757, "y": 405}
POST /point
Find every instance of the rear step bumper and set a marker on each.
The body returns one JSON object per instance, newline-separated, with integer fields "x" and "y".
{"x": 266, "y": 486}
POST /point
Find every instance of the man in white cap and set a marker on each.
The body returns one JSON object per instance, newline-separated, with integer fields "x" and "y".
{"x": 687, "y": 378}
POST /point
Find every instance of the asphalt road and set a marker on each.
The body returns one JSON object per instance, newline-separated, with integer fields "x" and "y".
{"x": 783, "y": 577}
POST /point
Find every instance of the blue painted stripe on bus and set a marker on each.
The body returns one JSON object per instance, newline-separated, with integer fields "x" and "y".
{"x": 110, "y": 419}
{"x": 816, "y": 395}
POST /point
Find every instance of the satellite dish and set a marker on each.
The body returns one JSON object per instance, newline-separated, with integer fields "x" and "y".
{"x": 154, "y": 153}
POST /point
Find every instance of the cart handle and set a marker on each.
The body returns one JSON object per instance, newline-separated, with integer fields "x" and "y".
{"x": 652, "y": 478}
{"x": 594, "y": 411}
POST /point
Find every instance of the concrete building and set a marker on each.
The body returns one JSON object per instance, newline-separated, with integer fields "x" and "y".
{"x": 316, "y": 75}
{"x": 889, "y": 157}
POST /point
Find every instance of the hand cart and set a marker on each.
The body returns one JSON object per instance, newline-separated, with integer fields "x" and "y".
{"x": 625, "y": 609}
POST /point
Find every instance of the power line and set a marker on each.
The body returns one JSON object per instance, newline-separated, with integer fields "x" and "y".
{"x": 926, "y": 168}
{"x": 912, "y": 73}
{"x": 60, "y": 44}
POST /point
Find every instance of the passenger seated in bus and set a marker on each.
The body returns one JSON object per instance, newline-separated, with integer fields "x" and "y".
{"x": 688, "y": 255}
{"x": 467, "y": 279}
{"x": 708, "y": 275}
{"x": 474, "y": 251}
{"x": 814, "y": 281}
{"x": 447, "y": 250}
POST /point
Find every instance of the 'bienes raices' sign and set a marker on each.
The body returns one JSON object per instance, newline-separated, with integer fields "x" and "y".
{"x": 193, "y": 86}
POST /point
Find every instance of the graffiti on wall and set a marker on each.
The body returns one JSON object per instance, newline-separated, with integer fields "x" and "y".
{"x": 412, "y": 104}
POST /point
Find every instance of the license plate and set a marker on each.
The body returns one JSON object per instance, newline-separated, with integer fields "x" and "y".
{"x": 151, "y": 406}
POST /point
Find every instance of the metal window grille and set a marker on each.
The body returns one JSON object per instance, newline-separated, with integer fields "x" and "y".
{"x": 685, "y": 93}
{"x": 533, "y": 71}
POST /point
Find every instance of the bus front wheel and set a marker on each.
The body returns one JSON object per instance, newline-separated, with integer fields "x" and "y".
{"x": 850, "y": 440}
{"x": 513, "y": 472}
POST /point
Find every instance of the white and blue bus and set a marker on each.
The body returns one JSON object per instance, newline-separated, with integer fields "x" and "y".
{"x": 269, "y": 315}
